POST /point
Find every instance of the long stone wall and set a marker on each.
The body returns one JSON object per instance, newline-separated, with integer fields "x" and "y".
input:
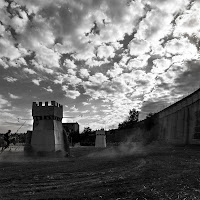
{"x": 180, "y": 122}
{"x": 177, "y": 124}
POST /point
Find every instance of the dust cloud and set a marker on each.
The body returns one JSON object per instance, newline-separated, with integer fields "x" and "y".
{"x": 127, "y": 148}
{"x": 17, "y": 155}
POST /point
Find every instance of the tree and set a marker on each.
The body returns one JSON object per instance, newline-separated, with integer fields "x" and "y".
{"x": 87, "y": 138}
{"x": 131, "y": 120}
{"x": 87, "y": 130}
{"x": 151, "y": 131}
{"x": 133, "y": 115}
{"x": 150, "y": 121}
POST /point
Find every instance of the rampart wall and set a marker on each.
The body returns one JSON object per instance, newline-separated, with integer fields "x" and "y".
{"x": 177, "y": 124}
{"x": 180, "y": 122}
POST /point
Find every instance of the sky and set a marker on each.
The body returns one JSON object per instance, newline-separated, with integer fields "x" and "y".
{"x": 98, "y": 58}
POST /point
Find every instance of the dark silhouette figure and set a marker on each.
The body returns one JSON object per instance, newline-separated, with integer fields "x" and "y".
{"x": 6, "y": 138}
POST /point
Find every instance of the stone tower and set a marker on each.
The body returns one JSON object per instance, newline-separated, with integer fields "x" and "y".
{"x": 47, "y": 133}
{"x": 100, "y": 139}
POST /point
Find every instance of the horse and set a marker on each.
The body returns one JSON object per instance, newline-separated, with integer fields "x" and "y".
{"x": 3, "y": 143}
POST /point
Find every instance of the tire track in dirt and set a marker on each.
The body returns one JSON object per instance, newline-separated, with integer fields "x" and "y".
{"x": 69, "y": 181}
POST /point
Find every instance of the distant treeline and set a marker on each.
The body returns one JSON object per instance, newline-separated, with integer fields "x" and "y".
{"x": 87, "y": 138}
{"x": 125, "y": 129}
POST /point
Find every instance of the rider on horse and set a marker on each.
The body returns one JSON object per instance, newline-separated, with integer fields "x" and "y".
{"x": 6, "y": 138}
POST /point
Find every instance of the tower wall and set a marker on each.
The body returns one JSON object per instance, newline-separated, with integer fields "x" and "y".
{"x": 47, "y": 133}
{"x": 100, "y": 140}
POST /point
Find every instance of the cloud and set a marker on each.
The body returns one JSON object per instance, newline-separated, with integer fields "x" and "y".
{"x": 29, "y": 71}
{"x": 114, "y": 52}
{"x": 84, "y": 73}
{"x": 124, "y": 83}
{"x": 71, "y": 72}
{"x": 117, "y": 70}
{"x": 48, "y": 89}
{"x": 85, "y": 111}
{"x": 73, "y": 80}
{"x": 86, "y": 103}
{"x": 7, "y": 49}
{"x": 169, "y": 6}
{"x": 113, "y": 20}
{"x": 181, "y": 47}
{"x": 160, "y": 65}
{"x": 155, "y": 26}
{"x": 69, "y": 64}
{"x": 10, "y": 79}
{"x": 4, "y": 64}
{"x": 36, "y": 81}
{"x": 74, "y": 109}
{"x": 105, "y": 52}
{"x": 20, "y": 21}
{"x": 97, "y": 79}
{"x": 47, "y": 57}
{"x": 4, "y": 102}
{"x": 73, "y": 94}
{"x": 94, "y": 62}
{"x": 138, "y": 63}
{"x": 40, "y": 67}
{"x": 188, "y": 22}
{"x": 12, "y": 96}
{"x": 17, "y": 63}
{"x": 2, "y": 29}
{"x": 138, "y": 47}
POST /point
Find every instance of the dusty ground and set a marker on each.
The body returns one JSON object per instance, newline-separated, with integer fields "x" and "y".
{"x": 142, "y": 173}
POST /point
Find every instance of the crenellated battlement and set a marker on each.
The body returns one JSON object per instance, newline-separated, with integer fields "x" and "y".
{"x": 46, "y": 103}
{"x": 53, "y": 110}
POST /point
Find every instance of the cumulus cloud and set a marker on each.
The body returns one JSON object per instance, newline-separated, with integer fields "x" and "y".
{"x": 73, "y": 94}
{"x": 4, "y": 64}
{"x": 105, "y": 52}
{"x": 85, "y": 111}
{"x": 48, "y": 89}
{"x": 84, "y": 73}
{"x": 169, "y": 6}
{"x": 115, "y": 71}
{"x": 30, "y": 71}
{"x": 138, "y": 63}
{"x": 19, "y": 22}
{"x": 40, "y": 67}
{"x": 97, "y": 79}
{"x": 8, "y": 50}
{"x": 86, "y": 103}
{"x": 74, "y": 109}
{"x": 114, "y": 51}
{"x": 188, "y": 22}
{"x": 4, "y": 102}
{"x": 182, "y": 47}
{"x": 12, "y": 96}
{"x": 160, "y": 65}
{"x": 10, "y": 79}
{"x": 138, "y": 47}
{"x": 36, "y": 81}
{"x": 47, "y": 57}
{"x": 155, "y": 26}
{"x": 71, "y": 72}
{"x": 69, "y": 64}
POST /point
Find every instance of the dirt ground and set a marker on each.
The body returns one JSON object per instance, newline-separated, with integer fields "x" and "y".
{"x": 111, "y": 173}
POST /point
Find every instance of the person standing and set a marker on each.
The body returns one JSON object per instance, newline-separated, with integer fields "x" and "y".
{"x": 6, "y": 138}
